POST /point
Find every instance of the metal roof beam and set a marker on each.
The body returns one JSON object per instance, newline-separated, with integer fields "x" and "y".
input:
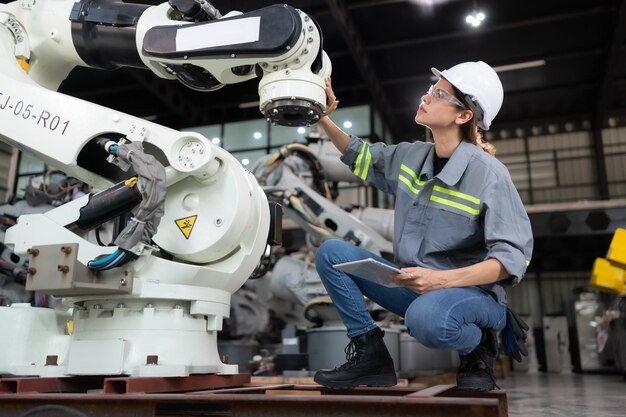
{"x": 548, "y": 58}
{"x": 463, "y": 34}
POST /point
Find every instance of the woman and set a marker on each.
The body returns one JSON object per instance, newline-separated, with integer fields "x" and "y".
{"x": 461, "y": 235}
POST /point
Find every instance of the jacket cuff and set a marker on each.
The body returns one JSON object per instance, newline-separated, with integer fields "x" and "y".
{"x": 511, "y": 259}
{"x": 352, "y": 150}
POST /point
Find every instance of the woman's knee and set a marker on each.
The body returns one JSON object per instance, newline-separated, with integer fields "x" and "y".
{"x": 324, "y": 254}
{"x": 430, "y": 324}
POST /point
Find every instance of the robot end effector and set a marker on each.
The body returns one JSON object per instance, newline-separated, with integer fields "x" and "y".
{"x": 280, "y": 44}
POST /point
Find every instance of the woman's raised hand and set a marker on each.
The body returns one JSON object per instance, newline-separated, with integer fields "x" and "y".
{"x": 331, "y": 99}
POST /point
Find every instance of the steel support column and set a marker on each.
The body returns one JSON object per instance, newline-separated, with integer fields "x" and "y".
{"x": 604, "y": 90}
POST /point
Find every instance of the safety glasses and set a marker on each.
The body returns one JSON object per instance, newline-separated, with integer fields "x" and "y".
{"x": 439, "y": 94}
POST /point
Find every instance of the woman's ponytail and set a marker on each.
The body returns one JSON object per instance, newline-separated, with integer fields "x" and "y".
{"x": 470, "y": 130}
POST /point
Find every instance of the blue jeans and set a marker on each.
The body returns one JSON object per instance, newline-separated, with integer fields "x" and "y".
{"x": 443, "y": 319}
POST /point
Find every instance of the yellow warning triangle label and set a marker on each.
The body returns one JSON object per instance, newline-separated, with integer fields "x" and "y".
{"x": 186, "y": 225}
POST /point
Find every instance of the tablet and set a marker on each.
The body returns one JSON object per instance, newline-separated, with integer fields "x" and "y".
{"x": 371, "y": 270}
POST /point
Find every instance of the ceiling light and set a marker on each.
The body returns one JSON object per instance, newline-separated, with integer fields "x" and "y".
{"x": 245, "y": 161}
{"x": 475, "y": 18}
{"x": 347, "y": 124}
{"x": 257, "y": 135}
{"x": 301, "y": 130}
{"x": 428, "y": 6}
{"x": 216, "y": 141}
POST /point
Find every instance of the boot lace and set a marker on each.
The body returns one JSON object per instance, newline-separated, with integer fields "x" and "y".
{"x": 351, "y": 352}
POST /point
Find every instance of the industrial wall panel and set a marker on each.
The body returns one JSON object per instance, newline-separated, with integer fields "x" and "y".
{"x": 617, "y": 190}
{"x": 574, "y": 153}
{"x": 614, "y": 135}
{"x": 615, "y": 168}
{"x": 509, "y": 146}
{"x": 523, "y": 298}
{"x": 614, "y": 148}
{"x": 543, "y": 171}
{"x": 576, "y": 171}
{"x": 516, "y": 164}
{"x": 559, "y": 141}
{"x": 557, "y": 294}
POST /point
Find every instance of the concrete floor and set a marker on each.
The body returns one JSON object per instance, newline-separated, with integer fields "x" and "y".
{"x": 558, "y": 395}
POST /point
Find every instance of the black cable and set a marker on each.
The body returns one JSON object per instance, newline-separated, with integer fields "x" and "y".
{"x": 263, "y": 267}
{"x": 69, "y": 411}
{"x": 98, "y": 237}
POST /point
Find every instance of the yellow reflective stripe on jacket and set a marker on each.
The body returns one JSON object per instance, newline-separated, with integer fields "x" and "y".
{"x": 457, "y": 194}
{"x": 412, "y": 174}
{"x": 411, "y": 184}
{"x": 368, "y": 159}
{"x": 408, "y": 184}
{"x": 357, "y": 166}
{"x": 365, "y": 152}
{"x": 454, "y": 204}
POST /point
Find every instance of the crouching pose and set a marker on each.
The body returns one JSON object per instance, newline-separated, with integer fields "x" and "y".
{"x": 461, "y": 235}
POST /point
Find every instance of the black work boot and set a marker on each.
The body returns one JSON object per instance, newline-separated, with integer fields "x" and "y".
{"x": 476, "y": 370}
{"x": 369, "y": 363}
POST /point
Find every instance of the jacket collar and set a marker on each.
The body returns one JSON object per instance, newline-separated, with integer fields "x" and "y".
{"x": 454, "y": 168}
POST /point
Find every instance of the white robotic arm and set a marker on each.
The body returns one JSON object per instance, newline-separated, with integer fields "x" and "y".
{"x": 170, "y": 302}
{"x": 280, "y": 44}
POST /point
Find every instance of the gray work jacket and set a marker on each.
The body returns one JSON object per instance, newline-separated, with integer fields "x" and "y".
{"x": 466, "y": 214}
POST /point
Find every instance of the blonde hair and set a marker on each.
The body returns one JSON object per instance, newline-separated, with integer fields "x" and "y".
{"x": 471, "y": 131}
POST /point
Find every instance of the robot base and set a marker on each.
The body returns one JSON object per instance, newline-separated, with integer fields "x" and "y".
{"x": 156, "y": 339}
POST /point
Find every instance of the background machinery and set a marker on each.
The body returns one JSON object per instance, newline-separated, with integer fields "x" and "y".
{"x": 608, "y": 308}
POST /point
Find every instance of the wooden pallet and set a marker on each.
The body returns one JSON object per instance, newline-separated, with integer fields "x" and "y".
{"x": 245, "y": 400}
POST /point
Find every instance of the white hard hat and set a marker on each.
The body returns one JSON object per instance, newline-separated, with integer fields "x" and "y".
{"x": 481, "y": 87}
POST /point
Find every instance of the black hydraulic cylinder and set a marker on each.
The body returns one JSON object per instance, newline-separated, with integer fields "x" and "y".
{"x": 109, "y": 204}
{"x": 104, "y": 32}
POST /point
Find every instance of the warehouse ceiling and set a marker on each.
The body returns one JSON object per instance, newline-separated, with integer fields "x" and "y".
{"x": 559, "y": 60}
